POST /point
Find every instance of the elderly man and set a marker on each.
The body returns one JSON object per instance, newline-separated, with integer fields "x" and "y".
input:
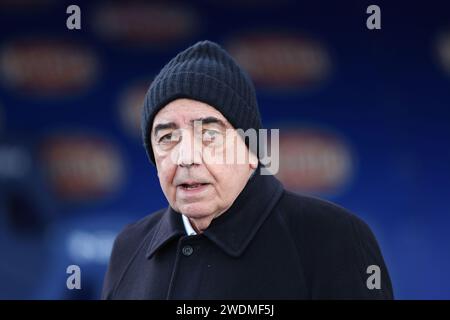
{"x": 231, "y": 232}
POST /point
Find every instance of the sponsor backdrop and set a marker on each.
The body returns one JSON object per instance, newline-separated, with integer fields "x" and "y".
{"x": 363, "y": 115}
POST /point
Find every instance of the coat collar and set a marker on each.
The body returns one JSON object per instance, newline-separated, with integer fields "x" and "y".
{"x": 234, "y": 229}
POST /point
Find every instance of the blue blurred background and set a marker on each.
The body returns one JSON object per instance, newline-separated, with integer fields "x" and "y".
{"x": 363, "y": 117}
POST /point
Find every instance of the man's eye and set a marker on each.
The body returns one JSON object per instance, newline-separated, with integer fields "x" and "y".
{"x": 165, "y": 138}
{"x": 209, "y": 135}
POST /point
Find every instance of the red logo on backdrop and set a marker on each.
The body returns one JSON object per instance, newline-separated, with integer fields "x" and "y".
{"x": 145, "y": 23}
{"x": 82, "y": 167}
{"x": 130, "y": 107}
{"x": 314, "y": 161}
{"x": 281, "y": 60}
{"x": 47, "y": 67}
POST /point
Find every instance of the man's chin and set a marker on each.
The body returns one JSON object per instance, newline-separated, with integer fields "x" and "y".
{"x": 195, "y": 211}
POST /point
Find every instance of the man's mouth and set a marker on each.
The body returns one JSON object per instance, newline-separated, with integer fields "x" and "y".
{"x": 192, "y": 186}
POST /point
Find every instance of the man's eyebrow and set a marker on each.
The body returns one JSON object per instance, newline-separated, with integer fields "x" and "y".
{"x": 162, "y": 126}
{"x": 209, "y": 120}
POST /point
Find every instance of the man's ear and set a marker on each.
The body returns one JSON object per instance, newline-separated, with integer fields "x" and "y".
{"x": 253, "y": 160}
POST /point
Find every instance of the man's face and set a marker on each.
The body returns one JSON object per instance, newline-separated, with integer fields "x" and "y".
{"x": 198, "y": 156}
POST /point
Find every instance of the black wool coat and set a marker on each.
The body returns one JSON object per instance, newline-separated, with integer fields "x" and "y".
{"x": 270, "y": 244}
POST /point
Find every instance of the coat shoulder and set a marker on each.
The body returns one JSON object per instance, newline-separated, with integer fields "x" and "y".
{"x": 320, "y": 221}
{"x": 133, "y": 233}
{"x": 335, "y": 245}
{"x": 313, "y": 212}
{"x": 126, "y": 245}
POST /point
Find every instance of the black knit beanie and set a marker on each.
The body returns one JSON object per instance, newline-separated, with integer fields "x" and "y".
{"x": 204, "y": 72}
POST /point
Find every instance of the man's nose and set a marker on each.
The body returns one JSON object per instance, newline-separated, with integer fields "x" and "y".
{"x": 189, "y": 151}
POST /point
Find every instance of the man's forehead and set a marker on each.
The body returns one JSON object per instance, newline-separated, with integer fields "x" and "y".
{"x": 185, "y": 111}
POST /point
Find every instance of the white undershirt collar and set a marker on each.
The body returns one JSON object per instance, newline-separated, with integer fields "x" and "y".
{"x": 187, "y": 226}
